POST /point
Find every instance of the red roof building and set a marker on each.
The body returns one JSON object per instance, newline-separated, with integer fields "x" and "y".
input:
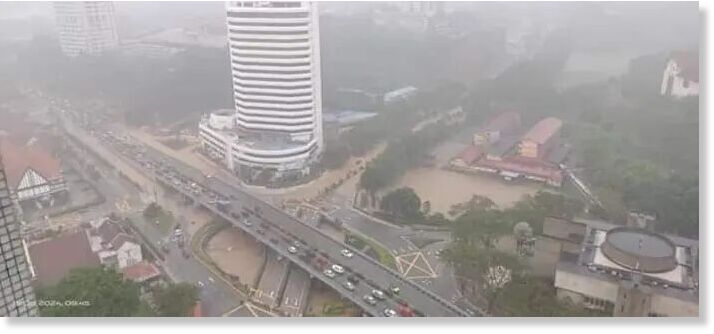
{"x": 31, "y": 171}
{"x": 52, "y": 259}
{"x": 540, "y": 138}
{"x": 468, "y": 156}
{"x": 681, "y": 75}
{"x": 141, "y": 272}
{"x": 504, "y": 124}
{"x": 688, "y": 63}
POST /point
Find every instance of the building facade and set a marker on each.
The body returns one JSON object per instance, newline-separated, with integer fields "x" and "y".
{"x": 681, "y": 76}
{"x": 86, "y": 27}
{"x": 628, "y": 271}
{"x": 275, "y": 63}
{"x": 16, "y": 296}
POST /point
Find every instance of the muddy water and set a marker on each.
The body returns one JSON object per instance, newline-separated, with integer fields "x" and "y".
{"x": 445, "y": 188}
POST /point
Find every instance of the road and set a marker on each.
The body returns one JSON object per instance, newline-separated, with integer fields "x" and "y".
{"x": 273, "y": 280}
{"x": 296, "y": 291}
{"x": 428, "y": 270}
{"x": 284, "y": 226}
{"x": 217, "y": 296}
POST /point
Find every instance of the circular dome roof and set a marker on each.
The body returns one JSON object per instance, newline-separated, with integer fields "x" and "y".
{"x": 639, "y": 250}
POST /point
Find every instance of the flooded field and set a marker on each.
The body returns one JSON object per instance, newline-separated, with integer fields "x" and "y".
{"x": 445, "y": 188}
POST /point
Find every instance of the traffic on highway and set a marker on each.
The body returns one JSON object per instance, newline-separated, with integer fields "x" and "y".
{"x": 378, "y": 290}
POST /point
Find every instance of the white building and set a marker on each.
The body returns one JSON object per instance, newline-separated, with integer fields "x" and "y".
{"x": 400, "y": 94}
{"x": 629, "y": 271}
{"x": 86, "y": 27}
{"x": 33, "y": 174}
{"x": 681, "y": 76}
{"x": 275, "y": 62}
{"x": 113, "y": 246}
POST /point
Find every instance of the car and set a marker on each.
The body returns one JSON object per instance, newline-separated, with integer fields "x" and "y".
{"x": 292, "y": 250}
{"x": 369, "y": 299}
{"x": 348, "y": 285}
{"x": 200, "y": 284}
{"x": 329, "y": 273}
{"x": 353, "y": 279}
{"x": 378, "y": 294}
{"x": 388, "y": 312}
{"x": 338, "y": 269}
{"x": 347, "y": 253}
{"x": 394, "y": 289}
{"x": 260, "y": 231}
{"x": 274, "y": 241}
{"x": 247, "y": 222}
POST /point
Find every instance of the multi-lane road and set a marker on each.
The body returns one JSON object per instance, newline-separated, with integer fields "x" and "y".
{"x": 280, "y": 230}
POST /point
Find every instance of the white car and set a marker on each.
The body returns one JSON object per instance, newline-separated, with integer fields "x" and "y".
{"x": 292, "y": 250}
{"x": 247, "y": 222}
{"x": 338, "y": 269}
{"x": 329, "y": 273}
{"x": 378, "y": 294}
{"x": 347, "y": 253}
{"x": 349, "y": 286}
{"x": 388, "y": 312}
{"x": 369, "y": 299}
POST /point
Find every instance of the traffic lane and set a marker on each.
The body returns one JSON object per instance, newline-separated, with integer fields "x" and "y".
{"x": 358, "y": 263}
{"x": 421, "y": 300}
{"x": 272, "y": 279}
{"x": 216, "y": 295}
{"x": 296, "y": 291}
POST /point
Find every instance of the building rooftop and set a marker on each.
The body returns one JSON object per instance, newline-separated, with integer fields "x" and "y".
{"x": 502, "y": 147}
{"x": 542, "y": 131}
{"x": 141, "y": 272}
{"x": 688, "y": 62}
{"x": 503, "y": 121}
{"x": 631, "y": 258}
{"x": 470, "y": 154}
{"x": 54, "y": 258}
{"x": 18, "y": 159}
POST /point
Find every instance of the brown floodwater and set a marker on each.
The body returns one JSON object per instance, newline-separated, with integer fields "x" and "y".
{"x": 444, "y": 188}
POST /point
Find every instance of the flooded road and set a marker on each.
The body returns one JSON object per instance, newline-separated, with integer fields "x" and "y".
{"x": 445, "y": 188}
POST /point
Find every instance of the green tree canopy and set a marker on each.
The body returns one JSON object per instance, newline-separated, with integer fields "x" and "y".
{"x": 175, "y": 300}
{"x": 404, "y": 204}
{"x": 99, "y": 292}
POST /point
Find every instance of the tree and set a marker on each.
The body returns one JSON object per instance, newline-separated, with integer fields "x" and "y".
{"x": 404, "y": 204}
{"x": 426, "y": 207}
{"x": 175, "y": 300}
{"x": 97, "y": 292}
{"x": 529, "y": 296}
{"x": 152, "y": 210}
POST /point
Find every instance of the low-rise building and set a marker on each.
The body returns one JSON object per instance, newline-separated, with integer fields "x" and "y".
{"x": 143, "y": 273}
{"x": 541, "y": 138}
{"x": 400, "y": 94}
{"x": 627, "y": 270}
{"x": 32, "y": 172}
{"x": 51, "y": 260}
{"x": 681, "y": 75}
{"x": 505, "y": 124}
{"x": 113, "y": 246}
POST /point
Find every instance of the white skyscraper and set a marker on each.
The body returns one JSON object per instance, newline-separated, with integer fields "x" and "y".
{"x": 86, "y": 27}
{"x": 275, "y": 62}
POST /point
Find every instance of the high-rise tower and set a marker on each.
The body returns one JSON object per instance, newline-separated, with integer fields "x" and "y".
{"x": 16, "y": 296}
{"x": 86, "y": 27}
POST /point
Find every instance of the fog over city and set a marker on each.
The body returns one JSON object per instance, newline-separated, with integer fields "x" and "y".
{"x": 322, "y": 159}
